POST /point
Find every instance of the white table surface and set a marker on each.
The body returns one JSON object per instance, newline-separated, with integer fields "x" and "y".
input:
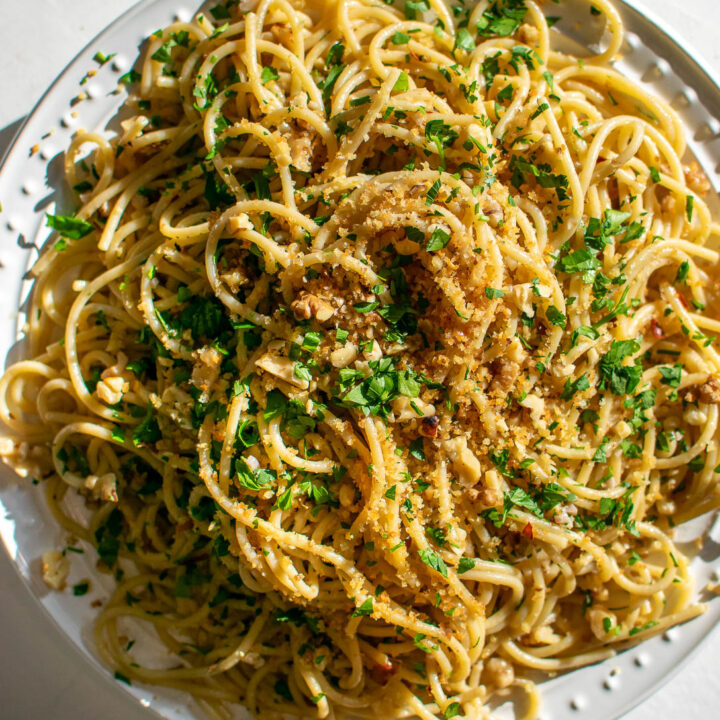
{"x": 41, "y": 674}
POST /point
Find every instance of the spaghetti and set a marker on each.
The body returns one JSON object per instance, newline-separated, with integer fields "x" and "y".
{"x": 380, "y": 351}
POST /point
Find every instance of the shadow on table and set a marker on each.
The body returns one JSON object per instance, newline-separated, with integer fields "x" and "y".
{"x": 8, "y": 133}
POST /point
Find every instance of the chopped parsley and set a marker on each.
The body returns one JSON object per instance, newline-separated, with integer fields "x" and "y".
{"x": 523, "y": 171}
{"x": 402, "y": 83}
{"x": 433, "y": 560}
{"x": 365, "y": 609}
{"x": 502, "y": 18}
{"x": 619, "y": 378}
{"x": 69, "y": 227}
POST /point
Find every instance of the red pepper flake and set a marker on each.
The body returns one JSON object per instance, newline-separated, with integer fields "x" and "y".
{"x": 429, "y": 426}
{"x": 683, "y": 300}
{"x": 656, "y": 330}
{"x": 528, "y": 532}
{"x": 382, "y": 672}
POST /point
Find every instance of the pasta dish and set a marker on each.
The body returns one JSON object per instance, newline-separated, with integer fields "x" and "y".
{"x": 377, "y": 360}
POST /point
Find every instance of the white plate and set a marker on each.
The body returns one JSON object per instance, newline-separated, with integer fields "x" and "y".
{"x": 32, "y": 184}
